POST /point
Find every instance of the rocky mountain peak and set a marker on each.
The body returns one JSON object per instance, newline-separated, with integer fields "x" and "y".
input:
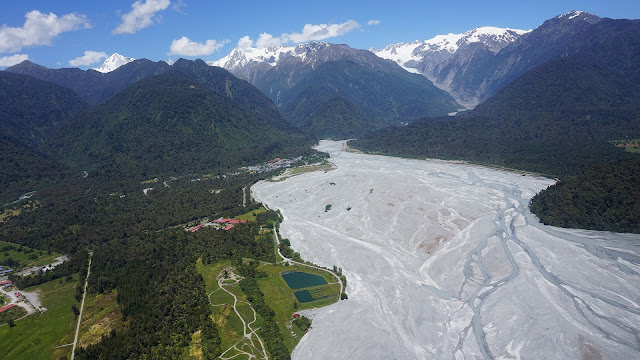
{"x": 113, "y": 62}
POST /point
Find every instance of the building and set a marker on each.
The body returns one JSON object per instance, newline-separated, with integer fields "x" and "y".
{"x": 6, "y": 307}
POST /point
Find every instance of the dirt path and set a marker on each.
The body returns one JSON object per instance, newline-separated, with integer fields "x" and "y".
{"x": 84, "y": 294}
{"x": 244, "y": 196}
{"x": 249, "y": 333}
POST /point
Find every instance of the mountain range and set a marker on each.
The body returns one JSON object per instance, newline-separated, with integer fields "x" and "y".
{"x": 304, "y": 80}
{"x": 545, "y": 100}
{"x": 178, "y": 118}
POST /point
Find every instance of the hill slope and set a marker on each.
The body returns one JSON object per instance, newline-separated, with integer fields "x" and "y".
{"x": 170, "y": 123}
{"x": 32, "y": 109}
{"x": 386, "y": 97}
{"x": 93, "y": 86}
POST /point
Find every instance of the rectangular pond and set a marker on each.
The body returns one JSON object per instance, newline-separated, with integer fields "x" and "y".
{"x": 299, "y": 279}
{"x": 306, "y": 296}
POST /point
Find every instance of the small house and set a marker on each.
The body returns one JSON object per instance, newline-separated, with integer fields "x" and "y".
{"x": 6, "y": 307}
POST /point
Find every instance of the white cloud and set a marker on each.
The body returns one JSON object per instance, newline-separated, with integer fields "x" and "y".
{"x": 186, "y": 47}
{"x": 373, "y": 22}
{"x": 323, "y": 31}
{"x": 179, "y": 7}
{"x": 266, "y": 40}
{"x": 89, "y": 57}
{"x": 39, "y": 29}
{"x": 309, "y": 32}
{"x": 13, "y": 59}
{"x": 245, "y": 42}
{"x": 142, "y": 15}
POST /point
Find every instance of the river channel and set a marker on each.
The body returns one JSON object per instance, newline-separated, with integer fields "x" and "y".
{"x": 444, "y": 261}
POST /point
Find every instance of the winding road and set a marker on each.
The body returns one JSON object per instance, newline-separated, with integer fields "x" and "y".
{"x": 249, "y": 333}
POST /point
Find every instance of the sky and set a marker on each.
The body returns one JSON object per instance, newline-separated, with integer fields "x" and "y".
{"x": 80, "y": 33}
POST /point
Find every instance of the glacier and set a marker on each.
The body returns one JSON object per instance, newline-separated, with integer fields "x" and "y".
{"x": 444, "y": 260}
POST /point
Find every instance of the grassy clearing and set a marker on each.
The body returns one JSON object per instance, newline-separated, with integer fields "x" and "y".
{"x": 277, "y": 295}
{"x": 248, "y": 216}
{"x": 7, "y": 213}
{"x": 282, "y": 299}
{"x": 228, "y": 323}
{"x": 210, "y": 272}
{"x": 629, "y": 145}
{"x": 14, "y": 313}
{"x": 194, "y": 350}
{"x": 25, "y": 256}
{"x": 302, "y": 170}
{"x": 35, "y": 337}
{"x": 101, "y": 315}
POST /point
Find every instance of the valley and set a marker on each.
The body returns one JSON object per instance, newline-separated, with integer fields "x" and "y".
{"x": 476, "y": 194}
{"x": 452, "y": 264}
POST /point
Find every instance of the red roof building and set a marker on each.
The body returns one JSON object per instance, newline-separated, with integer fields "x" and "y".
{"x": 228, "y": 227}
{"x": 5, "y": 282}
{"x": 7, "y": 307}
{"x": 18, "y": 294}
{"x": 295, "y": 316}
{"x": 195, "y": 228}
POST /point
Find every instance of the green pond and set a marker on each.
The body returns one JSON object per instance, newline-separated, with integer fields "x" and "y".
{"x": 299, "y": 280}
{"x": 304, "y": 296}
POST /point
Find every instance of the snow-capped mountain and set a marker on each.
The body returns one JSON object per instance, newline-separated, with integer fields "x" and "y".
{"x": 476, "y": 64}
{"x": 253, "y": 64}
{"x": 445, "y": 45}
{"x": 449, "y": 53}
{"x": 113, "y": 62}
{"x": 471, "y": 66}
{"x": 318, "y": 77}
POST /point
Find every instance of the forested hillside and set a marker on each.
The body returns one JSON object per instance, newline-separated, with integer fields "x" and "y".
{"x": 94, "y": 87}
{"x": 385, "y": 97}
{"x": 605, "y": 197}
{"x": 33, "y": 109}
{"x": 168, "y": 124}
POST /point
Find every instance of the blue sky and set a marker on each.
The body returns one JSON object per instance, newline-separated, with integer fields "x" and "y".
{"x": 81, "y": 33}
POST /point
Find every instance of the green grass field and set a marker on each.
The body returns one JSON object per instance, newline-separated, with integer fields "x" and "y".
{"x": 630, "y": 145}
{"x": 248, "y": 216}
{"x": 228, "y": 323}
{"x": 277, "y": 295}
{"x": 101, "y": 314}
{"x": 36, "y": 336}
{"x": 281, "y": 298}
{"x": 25, "y": 256}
